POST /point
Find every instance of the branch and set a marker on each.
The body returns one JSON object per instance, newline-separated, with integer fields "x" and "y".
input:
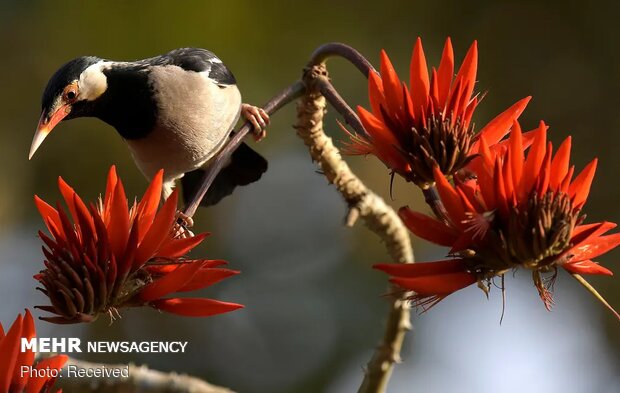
{"x": 363, "y": 203}
{"x": 277, "y": 102}
{"x": 327, "y": 89}
{"x": 141, "y": 379}
{"x": 331, "y": 49}
{"x": 320, "y": 55}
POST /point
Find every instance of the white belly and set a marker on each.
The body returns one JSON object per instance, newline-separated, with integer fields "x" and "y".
{"x": 193, "y": 126}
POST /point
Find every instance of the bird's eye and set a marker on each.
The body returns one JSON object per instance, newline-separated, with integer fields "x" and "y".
{"x": 70, "y": 93}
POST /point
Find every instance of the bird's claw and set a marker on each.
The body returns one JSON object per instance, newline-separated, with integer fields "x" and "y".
{"x": 181, "y": 227}
{"x": 258, "y": 118}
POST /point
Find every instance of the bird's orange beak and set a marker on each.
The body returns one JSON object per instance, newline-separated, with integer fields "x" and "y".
{"x": 46, "y": 125}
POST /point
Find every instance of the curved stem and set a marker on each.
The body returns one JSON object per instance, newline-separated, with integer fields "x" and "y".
{"x": 333, "y": 97}
{"x": 325, "y": 51}
{"x": 287, "y": 95}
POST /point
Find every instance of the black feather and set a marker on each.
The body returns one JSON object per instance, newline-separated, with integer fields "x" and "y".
{"x": 128, "y": 103}
{"x": 246, "y": 166}
{"x": 197, "y": 60}
{"x": 221, "y": 75}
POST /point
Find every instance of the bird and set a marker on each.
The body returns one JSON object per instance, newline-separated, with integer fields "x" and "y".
{"x": 175, "y": 112}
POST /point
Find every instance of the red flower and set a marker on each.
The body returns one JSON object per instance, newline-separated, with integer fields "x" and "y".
{"x": 12, "y": 379}
{"x": 521, "y": 212}
{"x": 412, "y": 128}
{"x": 109, "y": 256}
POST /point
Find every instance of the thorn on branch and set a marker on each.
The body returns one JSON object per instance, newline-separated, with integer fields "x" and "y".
{"x": 352, "y": 215}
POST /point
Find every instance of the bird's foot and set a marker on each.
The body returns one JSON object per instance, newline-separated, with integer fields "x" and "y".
{"x": 181, "y": 227}
{"x": 259, "y": 119}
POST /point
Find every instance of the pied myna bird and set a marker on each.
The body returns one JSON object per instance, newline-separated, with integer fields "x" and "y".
{"x": 175, "y": 111}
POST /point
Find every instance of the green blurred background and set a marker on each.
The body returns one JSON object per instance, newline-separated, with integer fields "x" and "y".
{"x": 314, "y": 311}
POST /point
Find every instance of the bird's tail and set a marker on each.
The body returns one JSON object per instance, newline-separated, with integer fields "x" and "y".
{"x": 246, "y": 166}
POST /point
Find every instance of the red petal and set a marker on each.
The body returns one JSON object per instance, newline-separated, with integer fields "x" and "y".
{"x": 441, "y": 284}
{"x": 506, "y": 174}
{"x": 560, "y": 163}
{"x": 85, "y": 220}
{"x": 450, "y": 198}
{"x": 171, "y": 282}
{"x": 109, "y": 193}
{"x": 467, "y": 72}
{"x": 585, "y": 235}
{"x": 501, "y": 199}
{"x": 580, "y": 187}
{"x": 49, "y": 214}
{"x": 9, "y": 348}
{"x": 470, "y": 192}
{"x": 165, "y": 269}
{"x": 516, "y": 152}
{"x": 214, "y": 263}
{"x": 412, "y": 270}
{"x": 467, "y": 204}
{"x": 391, "y": 86}
{"x": 497, "y": 128}
{"x": 595, "y": 247}
{"x": 444, "y": 74}
{"x": 469, "y": 111}
{"x": 195, "y": 307}
{"x": 24, "y": 358}
{"x": 587, "y": 267}
{"x": 533, "y": 162}
{"x": 35, "y": 385}
{"x": 528, "y": 138}
{"x": 375, "y": 94}
{"x": 567, "y": 179}
{"x": 176, "y": 248}
{"x": 159, "y": 231}
{"x": 206, "y": 277}
{"x": 419, "y": 82}
{"x": 428, "y": 228}
{"x": 409, "y": 114}
{"x": 602, "y": 227}
{"x": 453, "y": 101}
{"x": 67, "y": 194}
{"x": 148, "y": 205}
{"x": 545, "y": 171}
{"x": 433, "y": 93}
{"x": 379, "y": 132}
{"x": 383, "y": 141}
{"x": 118, "y": 223}
{"x": 466, "y": 239}
{"x": 485, "y": 175}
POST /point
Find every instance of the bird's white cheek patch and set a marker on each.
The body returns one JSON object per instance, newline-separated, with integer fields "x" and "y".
{"x": 93, "y": 82}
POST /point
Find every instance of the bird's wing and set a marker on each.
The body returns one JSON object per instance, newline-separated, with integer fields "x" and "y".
{"x": 246, "y": 166}
{"x": 197, "y": 60}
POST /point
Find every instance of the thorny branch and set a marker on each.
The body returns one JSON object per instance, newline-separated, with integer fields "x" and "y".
{"x": 378, "y": 216}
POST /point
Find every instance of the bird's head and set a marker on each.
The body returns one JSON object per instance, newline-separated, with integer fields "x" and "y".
{"x": 69, "y": 94}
